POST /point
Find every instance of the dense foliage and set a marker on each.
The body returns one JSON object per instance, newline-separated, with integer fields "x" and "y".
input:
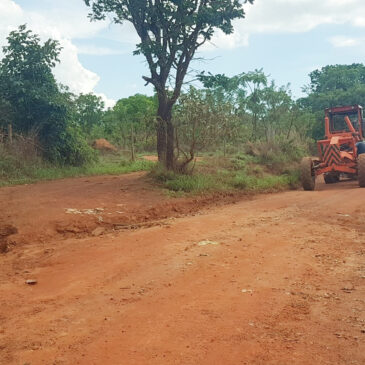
{"x": 32, "y": 101}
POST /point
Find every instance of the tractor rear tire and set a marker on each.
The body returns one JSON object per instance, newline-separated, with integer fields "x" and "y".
{"x": 331, "y": 178}
{"x": 307, "y": 174}
{"x": 361, "y": 170}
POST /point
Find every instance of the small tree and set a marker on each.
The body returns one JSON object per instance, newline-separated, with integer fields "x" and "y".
{"x": 170, "y": 32}
{"x": 89, "y": 111}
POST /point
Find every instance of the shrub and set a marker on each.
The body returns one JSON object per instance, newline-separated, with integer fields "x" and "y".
{"x": 69, "y": 148}
{"x": 278, "y": 154}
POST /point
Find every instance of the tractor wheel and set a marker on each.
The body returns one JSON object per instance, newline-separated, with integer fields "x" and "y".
{"x": 307, "y": 174}
{"x": 331, "y": 178}
{"x": 360, "y": 148}
{"x": 361, "y": 170}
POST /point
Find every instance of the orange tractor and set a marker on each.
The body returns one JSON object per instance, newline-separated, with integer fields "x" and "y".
{"x": 342, "y": 153}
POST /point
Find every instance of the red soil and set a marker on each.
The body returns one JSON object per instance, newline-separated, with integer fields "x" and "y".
{"x": 280, "y": 280}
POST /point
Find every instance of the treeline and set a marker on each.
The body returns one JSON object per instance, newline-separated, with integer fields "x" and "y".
{"x": 225, "y": 114}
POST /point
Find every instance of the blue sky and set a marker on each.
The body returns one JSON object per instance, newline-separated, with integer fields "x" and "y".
{"x": 287, "y": 38}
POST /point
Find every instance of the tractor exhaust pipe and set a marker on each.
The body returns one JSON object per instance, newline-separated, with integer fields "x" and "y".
{"x": 327, "y": 126}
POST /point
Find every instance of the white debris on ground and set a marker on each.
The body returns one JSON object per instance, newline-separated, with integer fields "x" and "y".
{"x": 207, "y": 243}
{"x": 249, "y": 291}
{"x": 84, "y": 211}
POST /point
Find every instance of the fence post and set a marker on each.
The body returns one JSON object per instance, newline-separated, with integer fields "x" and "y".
{"x": 10, "y": 133}
{"x": 132, "y": 146}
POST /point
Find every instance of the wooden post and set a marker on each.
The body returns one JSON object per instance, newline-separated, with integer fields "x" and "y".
{"x": 133, "y": 152}
{"x": 10, "y": 133}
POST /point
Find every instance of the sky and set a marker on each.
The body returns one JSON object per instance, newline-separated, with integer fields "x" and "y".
{"x": 286, "y": 38}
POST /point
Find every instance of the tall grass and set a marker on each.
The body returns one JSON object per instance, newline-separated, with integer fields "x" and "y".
{"x": 22, "y": 165}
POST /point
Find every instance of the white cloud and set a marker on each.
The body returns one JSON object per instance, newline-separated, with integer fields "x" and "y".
{"x": 343, "y": 41}
{"x": 292, "y": 16}
{"x": 98, "y": 51}
{"x": 221, "y": 40}
{"x": 61, "y": 24}
{"x": 67, "y": 20}
{"x": 71, "y": 72}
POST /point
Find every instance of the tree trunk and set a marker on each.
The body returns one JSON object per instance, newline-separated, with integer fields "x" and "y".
{"x": 170, "y": 145}
{"x": 254, "y": 132}
{"x": 161, "y": 129}
{"x": 161, "y": 140}
{"x": 290, "y": 127}
{"x": 165, "y": 134}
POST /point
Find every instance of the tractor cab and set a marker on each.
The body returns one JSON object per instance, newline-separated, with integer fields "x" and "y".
{"x": 345, "y": 121}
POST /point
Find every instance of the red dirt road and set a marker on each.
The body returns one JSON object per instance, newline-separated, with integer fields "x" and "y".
{"x": 279, "y": 279}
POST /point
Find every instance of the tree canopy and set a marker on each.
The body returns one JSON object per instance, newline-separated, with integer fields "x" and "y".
{"x": 335, "y": 85}
{"x": 331, "y": 86}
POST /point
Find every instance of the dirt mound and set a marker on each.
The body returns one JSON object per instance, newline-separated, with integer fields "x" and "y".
{"x": 103, "y": 145}
{"x": 6, "y": 231}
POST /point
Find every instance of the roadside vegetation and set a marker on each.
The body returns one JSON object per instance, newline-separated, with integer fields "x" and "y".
{"x": 233, "y": 174}
{"x": 229, "y": 132}
{"x": 31, "y": 172}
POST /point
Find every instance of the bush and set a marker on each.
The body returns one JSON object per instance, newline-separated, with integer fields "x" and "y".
{"x": 69, "y": 148}
{"x": 279, "y": 154}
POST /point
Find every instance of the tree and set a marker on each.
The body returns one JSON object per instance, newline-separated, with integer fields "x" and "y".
{"x": 198, "y": 122}
{"x": 26, "y": 77}
{"x": 38, "y": 106}
{"x": 337, "y": 77}
{"x": 331, "y": 86}
{"x": 170, "y": 32}
{"x": 131, "y": 122}
{"x": 264, "y": 110}
{"x": 244, "y": 91}
{"x": 89, "y": 111}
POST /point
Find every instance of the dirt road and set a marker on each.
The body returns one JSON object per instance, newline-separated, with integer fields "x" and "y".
{"x": 278, "y": 279}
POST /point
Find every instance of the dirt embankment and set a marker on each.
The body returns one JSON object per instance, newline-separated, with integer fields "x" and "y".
{"x": 278, "y": 279}
{"x": 94, "y": 206}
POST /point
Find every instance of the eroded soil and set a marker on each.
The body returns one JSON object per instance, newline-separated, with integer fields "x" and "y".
{"x": 277, "y": 279}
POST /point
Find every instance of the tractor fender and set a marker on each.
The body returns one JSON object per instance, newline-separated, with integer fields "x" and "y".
{"x": 360, "y": 148}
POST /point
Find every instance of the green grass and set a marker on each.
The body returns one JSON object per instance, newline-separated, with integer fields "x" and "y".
{"x": 226, "y": 175}
{"x": 194, "y": 183}
{"x": 16, "y": 173}
{"x": 268, "y": 182}
{"x": 199, "y": 183}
